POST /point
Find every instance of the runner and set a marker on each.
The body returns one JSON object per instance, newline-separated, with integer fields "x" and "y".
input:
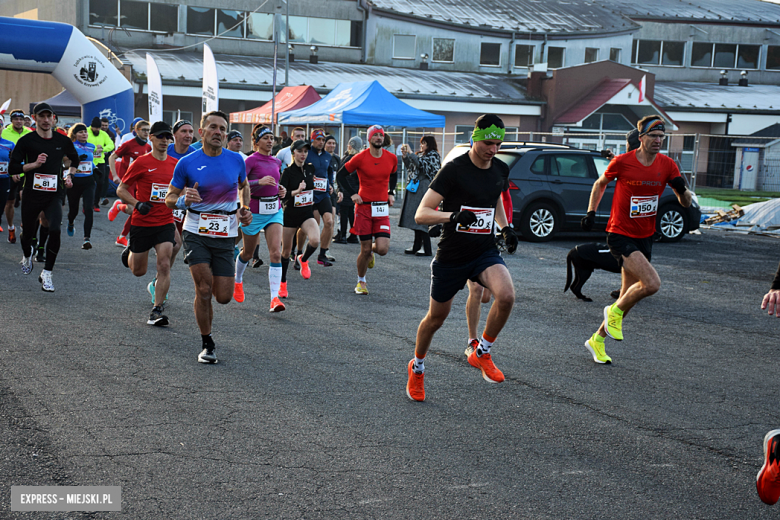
{"x": 347, "y": 210}
{"x": 103, "y": 145}
{"x": 768, "y": 478}
{"x": 206, "y": 183}
{"x": 262, "y": 173}
{"x": 183, "y": 134}
{"x": 469, "y": 190}
{"x": 285, "y": 154}
{"x": 83, "y": 182}
{"x": 149, "y": 177}
{"x": 641, "y": 177}
{"x": 37, "y": 161}
{"x": 235, "y": 143}
{"x": 298, "y": 182}
{"x": 376, "y": 171}
{"x": 12, "y": 133}
{"x": 6, "y": 147}
{"x": 323, "y": 187}
{"x": 128, "y": 151}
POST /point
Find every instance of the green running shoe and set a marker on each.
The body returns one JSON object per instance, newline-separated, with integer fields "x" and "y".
{"x": 613, "y": 322}
{"x": 596, "y": 349}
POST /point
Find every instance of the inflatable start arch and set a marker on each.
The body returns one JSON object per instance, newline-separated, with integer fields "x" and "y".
{"x": 64, "y": 52}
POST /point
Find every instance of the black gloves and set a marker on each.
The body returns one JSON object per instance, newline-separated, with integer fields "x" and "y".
{"x": 464, "y": 218}
{"x": 434, "y": 231}
{"x": 510, "y": 239}
{"x": 588, "y": 220}
{"x": 678, "y": 185}
{"x": 143, "y": 207}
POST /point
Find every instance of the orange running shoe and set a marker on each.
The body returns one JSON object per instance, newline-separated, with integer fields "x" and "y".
{"x": 238, "y": 292}
{"x": 415, "y": 388}
{"x": 283, "y": 290}
{"x": 121, "y": 241}
{"x": 305, "y": 270}
{"x": 490, "y": 373}
{"x": 277, "y": 305}
{"x": 768, "y": 479}
{"x": 1, "y": 229}
{"x": 114, "y": 211}
{"x": 12, "y": 236}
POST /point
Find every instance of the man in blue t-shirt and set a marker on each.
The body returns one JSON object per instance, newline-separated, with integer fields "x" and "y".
{"x": 183, "y": 134}
{"x": 206, "y": 183}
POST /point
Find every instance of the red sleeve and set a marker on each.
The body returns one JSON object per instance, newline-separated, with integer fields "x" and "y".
{"x": 122, "y": 150}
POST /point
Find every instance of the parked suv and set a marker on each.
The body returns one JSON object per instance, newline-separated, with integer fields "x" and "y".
{"x": 551, "y": 184}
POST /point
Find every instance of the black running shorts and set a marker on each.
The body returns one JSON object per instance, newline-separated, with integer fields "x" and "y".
{"x": 215, "y": 251}
{"x": 622, "y": 246}
{"x": 144, "y": 238}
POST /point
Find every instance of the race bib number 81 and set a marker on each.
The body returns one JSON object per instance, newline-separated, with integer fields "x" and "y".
{"x": 644, "y": 206}
{"x": 43, "y": 182}
{"x": 484, "y": 223}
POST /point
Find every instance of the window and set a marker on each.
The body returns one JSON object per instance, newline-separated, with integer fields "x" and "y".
{"x": 701, "y": 55}
{"x": 322, "y": 31}
{"x": 230, "y": 21}
{"x": 747, "y": 57}
{"x": 403, "y": 46}
{"x": 614, "y": 54}
{"x": 343, "y": 35}
{"x": 463, "y": 133}
{"x": 524, "y": 55}
{"x": 615, "y": 122}
{"x": 591, "y": 55}
{"x": 200, "y": 20}
{"x": 570, "y": 166}
{"x": 538, "y": 166}
{"x": 260, "y": 26}
{"x": 510, "y": 133}
{"x": 356, "y": 35}
{"x": 164, "y": 18}
{"x": 490, "y": 54}
{"x": 443, "y": 49}
{"x": 634, "y": 47}
{"x": 602, "y": 163}
{"x": 652, "y": 52}
{"x": 673, "y": 53}
{"x": 103, "y": 13}
{"x": 298, "y": 31}
{"x": 773, "y": 57}
{"x": 134, "y": 15}
{"x": 648, "y": 52}
{"x": 171, "y": 116}
{"x": 726, "y": 55}
{"x": 555, "y": 57}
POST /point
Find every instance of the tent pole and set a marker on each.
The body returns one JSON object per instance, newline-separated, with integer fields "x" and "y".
{"x": 307, "y": 130}
{"x": 341, "y": 141}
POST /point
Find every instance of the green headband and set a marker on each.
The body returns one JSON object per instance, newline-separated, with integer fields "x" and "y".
{"x": 491, "y": 132}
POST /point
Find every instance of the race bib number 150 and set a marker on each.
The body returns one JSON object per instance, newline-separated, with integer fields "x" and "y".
{"x": 644, "y": 206}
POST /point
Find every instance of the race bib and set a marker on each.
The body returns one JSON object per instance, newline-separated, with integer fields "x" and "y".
{"x": 210, "y": 225}
{"x": 380, "y": 209}
{"x": 644, "y": 206}
{"x": 268, "y": 205}
{"x": 159, "y": 191}
{"x": 3, "y": 167}
{"x": 305, "y": 198}
{"x": 43, "y": 182}
{"x": 178, "y": 215}
{"x": 484, "y": 223}
{"x": 85, "y": 167}
{"x": 320, "y": 184}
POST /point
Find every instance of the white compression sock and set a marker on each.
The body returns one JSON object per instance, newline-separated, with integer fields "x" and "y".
{"x": 275, "y": 278}
{"x": 240, "y": 268}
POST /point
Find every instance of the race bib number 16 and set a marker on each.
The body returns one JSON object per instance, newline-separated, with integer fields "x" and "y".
{"x": 484, "y": 223}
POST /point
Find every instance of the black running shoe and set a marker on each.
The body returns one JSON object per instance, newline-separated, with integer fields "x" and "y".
{"x": 157, "y": 318}
{"x": 297, "y": 264}
{"x": 207, "y": 356}
{"x": 40, "y": 256}
{"x": 257, "y": 263}
{"x": 87, "y": 244}
{"x": 126, "y": 257}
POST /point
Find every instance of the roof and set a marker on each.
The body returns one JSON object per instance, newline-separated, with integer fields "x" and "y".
{"x": 255, "y": 73}
{"x": 64, "y": 104}
{"x": 765, "y": 137}
{"x": 569, "y": 17}
{"x": 713, "y": 97}
{"x": 597, "y": 98}
{"x": 727, "y": 11}
{"x": 289, "y": 98}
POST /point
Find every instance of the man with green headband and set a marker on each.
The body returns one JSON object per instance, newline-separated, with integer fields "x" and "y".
{"x": 469, "y": 191}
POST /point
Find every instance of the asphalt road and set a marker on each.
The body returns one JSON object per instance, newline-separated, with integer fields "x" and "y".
{"x": 306, "y": 416}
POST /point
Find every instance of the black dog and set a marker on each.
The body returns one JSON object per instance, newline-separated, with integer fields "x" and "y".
{"x": 586, "y": 258}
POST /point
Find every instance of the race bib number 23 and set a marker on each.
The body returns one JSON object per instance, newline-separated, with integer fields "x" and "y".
{"x": 211, "y": 225}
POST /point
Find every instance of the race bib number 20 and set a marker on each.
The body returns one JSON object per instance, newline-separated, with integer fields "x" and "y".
{"x": 644, "y": 206}
{"x": 484, "y": 223}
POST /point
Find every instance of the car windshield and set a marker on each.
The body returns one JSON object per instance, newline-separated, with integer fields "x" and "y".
{"x": 601, "y": 164}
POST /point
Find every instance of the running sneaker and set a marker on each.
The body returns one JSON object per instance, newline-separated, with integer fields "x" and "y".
{"x": 238, "y": 292}
{"x": 283, "y": 290}
{"x": 126, "y": 257}
{"x": 87, "y": 244}
{"x": 27, "y": 264}
{"x": 305, "y": 269}
{"x": 96, "y": 209}
{"x": 415, "y": 385}
{"x": 296, "y": 264}
{"x": 329, "y": 257}
{"x": 104, "y": 202}
{"x": 157, "y": 318}
{"x": 768, "y": 478}
{"x": 40, "y": 256}
{"x": 277, "y": 305}
{"x": 596, "y": 349}
{"x": 207, "y": 355}
{"x": 1, "y": 229}
{"x": 71, "y": 229}
{"x": 11, "y": 236}
{"x": 361, "y": 288}
{"x": 151, "y": 287}
{"x": 471, "y": 347}
{"x": 257, "y": 263}
{"x": 324, "y": 261}
{"x": 114, "y": 211}
{"x": 372, "y": 262}
{"x": 46, "y": 283}
{"x": 121, "y": 241}
{"x": 613, "y": 323}
{"x": 490, "y": 373}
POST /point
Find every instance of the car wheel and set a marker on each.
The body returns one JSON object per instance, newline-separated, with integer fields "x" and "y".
{"x": 671, "y": 223}
{"x": 539, "y": 222}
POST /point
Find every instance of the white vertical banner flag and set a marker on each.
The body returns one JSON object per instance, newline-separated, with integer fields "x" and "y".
{"x": 5, "y": 106}
{"x": 642, "y": 87}
{"x": 210, "y": 81}
{"x": 154, "y": 87}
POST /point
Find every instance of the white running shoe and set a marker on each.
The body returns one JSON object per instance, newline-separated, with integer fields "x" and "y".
{"x": 27, "y": 264}
{"x": 46, "y": 283}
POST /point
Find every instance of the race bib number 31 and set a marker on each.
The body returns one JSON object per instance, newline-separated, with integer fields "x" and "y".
{"x": 211, "y": 225}
{"x": 43, "y": 182}
{"x": 159, "y": 191}
{"x": 484, "y": 223}
{"x": 305, "y": 198}
{"x": 644, "y": 206}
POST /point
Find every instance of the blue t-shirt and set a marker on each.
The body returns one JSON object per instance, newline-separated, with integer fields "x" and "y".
{"x": 172, "y": 151}
{"x": 6, "y": 147}
{"x": 218, "y": 179}
{"x": 84, "y": 168}
{"x": 197, "y": 145}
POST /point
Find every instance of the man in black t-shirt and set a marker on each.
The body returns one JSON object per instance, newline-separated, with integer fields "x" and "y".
{"x": 469, "y": 191}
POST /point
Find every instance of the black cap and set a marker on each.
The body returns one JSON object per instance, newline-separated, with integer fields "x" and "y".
{"x": 233, "y": 134}
{"x": 329, "y": 138}
{"x": 96, "y": 123}
{"x": 42, "y": 107}
{"x": 632, "y": 140}
{"x": 160, "y": 127}
{"x": 300, "y": 144}
{"x": 180, "y": 123}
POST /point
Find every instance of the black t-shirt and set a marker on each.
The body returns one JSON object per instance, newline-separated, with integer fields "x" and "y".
{"x": 27, "y": 150}
{"x": 463, "y": 184}
{"x": 291, "y": 178}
